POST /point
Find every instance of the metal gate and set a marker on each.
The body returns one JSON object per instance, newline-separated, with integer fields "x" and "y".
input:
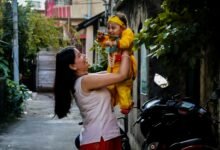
{"x": 45, "y": 71}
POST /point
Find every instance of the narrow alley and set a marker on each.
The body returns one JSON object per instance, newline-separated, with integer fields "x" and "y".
{"x": 38, "y": 129}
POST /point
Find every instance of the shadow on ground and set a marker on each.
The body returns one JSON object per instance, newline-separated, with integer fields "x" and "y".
{"x": 38, "y": 129}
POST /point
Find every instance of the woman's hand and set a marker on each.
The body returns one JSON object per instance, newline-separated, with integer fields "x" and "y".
{"x": 110, "y": 43}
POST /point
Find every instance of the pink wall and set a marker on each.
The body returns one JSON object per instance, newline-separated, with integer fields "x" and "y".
{"x": 56, "y": 11}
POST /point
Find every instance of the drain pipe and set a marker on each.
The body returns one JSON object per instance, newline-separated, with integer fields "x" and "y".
{"x": 106, "y": 4}
{"x": 15, "y": 41}
{"x": 89, "y": 8}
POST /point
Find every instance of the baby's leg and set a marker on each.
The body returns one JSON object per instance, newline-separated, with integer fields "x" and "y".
{"x": 112, "y": 88}
{"x": 124, "y": 96}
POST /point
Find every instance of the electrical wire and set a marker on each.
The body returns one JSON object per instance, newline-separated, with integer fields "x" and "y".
{"x": 86, "y": 3}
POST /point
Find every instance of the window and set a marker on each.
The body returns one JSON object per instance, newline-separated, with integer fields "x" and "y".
{"x": 35, "y": 4}
{"x": 143, "y": 71}
{"x": 63, "y": 2}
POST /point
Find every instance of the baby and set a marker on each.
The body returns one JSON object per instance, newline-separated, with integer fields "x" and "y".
{"x": 119, "y": 38}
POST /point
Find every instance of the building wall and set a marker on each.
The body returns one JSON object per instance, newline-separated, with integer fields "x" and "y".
{"x": 86, "y": 8}
{"x": 137, "y": 12}
{"x": 89, "y": 43}
{"x": 75, "y": 9}
{"x": 208, "y": 87}
{"x": 73, "y": 12}
{"x": 36, "y": 4}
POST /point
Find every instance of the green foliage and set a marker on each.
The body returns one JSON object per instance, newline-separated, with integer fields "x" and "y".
{"x": 96, "y": 68}
{"x": 1, "y": 17}
{"x": 179, "y": 33}
{"x": 16, "y": 95}
{"x": 41, "y": 32}
{"x": 4, "y": 69}
{"x": 35, "y": 32}
{"x": 102, "y": 62}
{"x": 6, "y": 30}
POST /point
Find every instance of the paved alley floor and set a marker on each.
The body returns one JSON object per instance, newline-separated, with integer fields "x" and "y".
{"x": 39, "y": 130}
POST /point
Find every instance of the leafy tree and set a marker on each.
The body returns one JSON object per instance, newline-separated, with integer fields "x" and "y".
{"x": 35, "y": 32}
{"x": 180, "y": 34}
{"x": 41, "y": 32}
{"x": 178, "y": 38}
{"x": 5, "y": 38}
{"x": 38, "y": 32}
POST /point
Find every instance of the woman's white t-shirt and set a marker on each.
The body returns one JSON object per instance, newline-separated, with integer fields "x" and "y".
{"x": 97, "y": 114}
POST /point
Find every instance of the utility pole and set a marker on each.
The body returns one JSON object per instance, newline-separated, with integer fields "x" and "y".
{"x": 106, "y": 11}
{"x": 15, "y": 41}
{"x": 89, "y": 9}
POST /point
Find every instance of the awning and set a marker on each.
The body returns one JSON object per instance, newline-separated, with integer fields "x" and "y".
{"x": 90, "y": 21}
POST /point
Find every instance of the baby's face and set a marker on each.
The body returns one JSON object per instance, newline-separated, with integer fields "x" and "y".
{"x": 114, "y": 29}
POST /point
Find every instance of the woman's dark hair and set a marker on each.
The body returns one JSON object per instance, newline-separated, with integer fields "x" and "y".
{"x": 122, "y": 17}
{"x": 64, "y": 81}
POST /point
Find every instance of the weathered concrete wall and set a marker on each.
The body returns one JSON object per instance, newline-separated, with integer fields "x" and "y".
{"x": 208, "y": 85}
{"x": 137, "y": 12}
{"x": 45, "y": 71}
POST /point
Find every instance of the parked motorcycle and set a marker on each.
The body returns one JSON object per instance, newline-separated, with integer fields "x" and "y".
{"x": 170, "y": 123}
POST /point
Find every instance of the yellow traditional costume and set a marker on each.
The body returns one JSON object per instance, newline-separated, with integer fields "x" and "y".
{"x": 121, "y": 92}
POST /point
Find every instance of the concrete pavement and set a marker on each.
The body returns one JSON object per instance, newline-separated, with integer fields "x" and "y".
{"x": 39, "y": 130}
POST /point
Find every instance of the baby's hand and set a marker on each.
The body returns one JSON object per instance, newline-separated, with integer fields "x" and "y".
{"x": 110, "y": 43}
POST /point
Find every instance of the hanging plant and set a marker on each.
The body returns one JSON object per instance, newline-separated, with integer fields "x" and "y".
{"x": 179, "y": 32}
{"x": 102, "y": 61}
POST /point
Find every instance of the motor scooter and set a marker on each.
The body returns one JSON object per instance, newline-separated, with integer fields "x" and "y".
{"x": 173, "y": 123}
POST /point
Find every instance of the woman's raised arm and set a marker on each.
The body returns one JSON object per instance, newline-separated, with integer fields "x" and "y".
{"x": 95, "y": 81}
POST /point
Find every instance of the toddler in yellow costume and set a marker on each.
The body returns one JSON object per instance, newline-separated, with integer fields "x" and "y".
{"x": 118, "y": 39}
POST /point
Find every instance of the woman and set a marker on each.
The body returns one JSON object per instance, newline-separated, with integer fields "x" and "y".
{"x": 100, "y": 129}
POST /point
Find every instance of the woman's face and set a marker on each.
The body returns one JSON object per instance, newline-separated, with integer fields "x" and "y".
{"x": 81, "y": 64}
{"x": 114, "y": 29}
